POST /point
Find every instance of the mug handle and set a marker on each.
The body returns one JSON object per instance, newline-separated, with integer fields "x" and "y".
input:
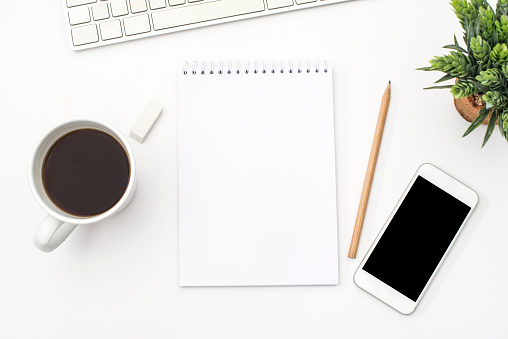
{"x": 51, "y": 233}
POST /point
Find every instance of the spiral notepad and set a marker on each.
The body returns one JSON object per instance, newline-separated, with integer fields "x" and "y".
{"x": 257, "y": 188}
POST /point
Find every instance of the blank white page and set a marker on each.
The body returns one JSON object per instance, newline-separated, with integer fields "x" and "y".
{"x": 257, "y": 192}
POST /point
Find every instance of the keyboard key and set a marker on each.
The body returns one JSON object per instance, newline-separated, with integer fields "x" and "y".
{"x": 157, "y": 4}
{"x": 273, "y": 4}
{"x": 100, "y": 11}
{"x": 79, "y": 15}
{"x": 119, "y": 8}
{"x": 84, "y": 35}
{"x": 136, "y": 24}
{"x": 180, "y": 16}
{"x": 110, "y": 30}
{"x": 299, "y": 2}
{"x": 138, "y": 6}
{"x": 73, "y": 3}
{"x": 176, "y": 2}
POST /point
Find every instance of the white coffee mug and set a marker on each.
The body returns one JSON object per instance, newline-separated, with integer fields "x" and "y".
{"x": 58, "y": 224}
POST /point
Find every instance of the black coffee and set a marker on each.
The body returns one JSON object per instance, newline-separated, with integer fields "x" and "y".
{"x": 86, "y": 172}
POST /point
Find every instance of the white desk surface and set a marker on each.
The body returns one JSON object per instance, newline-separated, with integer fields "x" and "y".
{"x": 119, "y": 278}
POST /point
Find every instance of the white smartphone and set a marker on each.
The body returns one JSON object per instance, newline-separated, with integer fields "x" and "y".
{"x": 415, "y": 239}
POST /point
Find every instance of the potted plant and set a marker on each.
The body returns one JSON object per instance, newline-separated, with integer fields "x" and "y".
{"x": 480, "y": 70}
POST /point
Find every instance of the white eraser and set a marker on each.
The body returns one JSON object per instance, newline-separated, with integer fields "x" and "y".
{"x": 145, "y": 121}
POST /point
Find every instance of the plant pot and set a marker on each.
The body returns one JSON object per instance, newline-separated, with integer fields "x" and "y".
{"x": 469, "y": 107}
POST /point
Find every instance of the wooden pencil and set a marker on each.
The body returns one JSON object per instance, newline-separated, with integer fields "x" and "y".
{"x": 369, "y": 175}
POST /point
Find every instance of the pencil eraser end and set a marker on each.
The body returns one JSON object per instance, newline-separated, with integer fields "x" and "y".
{"x": 146, "y": 121}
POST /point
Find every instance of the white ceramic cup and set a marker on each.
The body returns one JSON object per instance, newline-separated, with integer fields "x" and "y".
{"x": 58, "y": 225}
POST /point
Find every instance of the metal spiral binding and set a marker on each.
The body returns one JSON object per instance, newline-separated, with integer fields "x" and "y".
{"x": 239, "y": 67}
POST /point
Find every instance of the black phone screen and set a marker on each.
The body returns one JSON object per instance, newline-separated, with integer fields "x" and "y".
{"x": 416, "y": 239}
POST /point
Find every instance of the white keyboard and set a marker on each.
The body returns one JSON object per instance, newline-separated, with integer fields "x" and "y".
{"x": 93, "y": 23}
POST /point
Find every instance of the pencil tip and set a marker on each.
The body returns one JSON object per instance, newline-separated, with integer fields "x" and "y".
{"x": 389, "y": 82}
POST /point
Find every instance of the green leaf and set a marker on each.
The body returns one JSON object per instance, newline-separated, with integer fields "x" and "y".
{"x": 502, "y": 28}
{"x": 445, "y": 78}
{"x": 471, "y": 30}
{"x": 490, "y": 128}
{"x": 501, "y": 8}
{"x": 499, "y": 54}
{"x": 463, "y": 88}
{"x": 492, "y": 78}
{"x": 481, "y": 51}
{"x": 439, "y": 87}
{"x": 486, "y": 19}
{"x": 483, "y": 114}
{"x": 496, "y": 99}
{"x": 456, "y": 47}
{"x": 456, "y": 64}
{"x": 478, "y": 85}
{"x": 500, "y": 125}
